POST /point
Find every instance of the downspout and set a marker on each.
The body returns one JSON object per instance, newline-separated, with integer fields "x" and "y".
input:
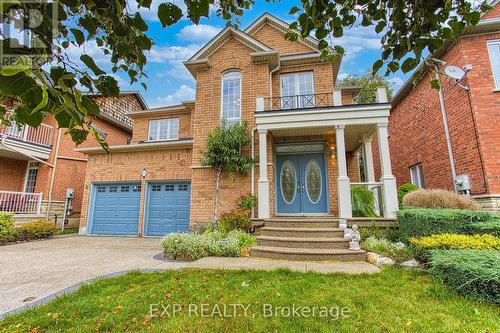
{"x": 53, "y": 174}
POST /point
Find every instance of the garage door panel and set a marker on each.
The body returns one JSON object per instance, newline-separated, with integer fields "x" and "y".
{"x": 168, "y": 208}
{"x": 116, "y": 209}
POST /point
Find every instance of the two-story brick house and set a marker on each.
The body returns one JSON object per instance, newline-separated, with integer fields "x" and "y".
{"x": 37, "y": 166}
{"x": 305, "y": 132}
{"x": 417, "y": 135}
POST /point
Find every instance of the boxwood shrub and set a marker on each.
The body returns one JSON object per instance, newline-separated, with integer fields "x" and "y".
{"x": 420, "y": 222}
{"x": 471, "y": 272}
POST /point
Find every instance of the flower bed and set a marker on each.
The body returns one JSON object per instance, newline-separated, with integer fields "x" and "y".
{"x": 37, "y": 229}
{"x": 397, "y": 251}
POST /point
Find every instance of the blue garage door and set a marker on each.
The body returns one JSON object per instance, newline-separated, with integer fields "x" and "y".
{"x": 116, "y": 209}
{"x": 168, "y": 208}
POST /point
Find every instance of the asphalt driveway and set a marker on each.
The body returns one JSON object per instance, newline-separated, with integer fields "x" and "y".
{"x": 31, "y": 271}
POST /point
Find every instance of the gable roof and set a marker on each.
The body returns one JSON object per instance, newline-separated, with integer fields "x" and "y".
{"x": 280, "y": 25}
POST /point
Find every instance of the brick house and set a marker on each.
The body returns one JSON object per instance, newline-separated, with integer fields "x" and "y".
{"x": 37, "y": 166}
{"x": 417, "y": 136}
{"x": 305, "y": 134}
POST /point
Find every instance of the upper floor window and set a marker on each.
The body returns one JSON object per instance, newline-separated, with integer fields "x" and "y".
{"x": 494, "y": 51}
{"x": 417, "y": 175}
{"x": 163, "y": 129}
{"x": 297, "y": 90}
{"x": 231, "y": 97}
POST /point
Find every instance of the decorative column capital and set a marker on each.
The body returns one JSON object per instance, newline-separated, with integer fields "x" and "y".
{"x": 382, "y": 125}
{"x": 340, "y": 127}
{"x": 262, "y": 130}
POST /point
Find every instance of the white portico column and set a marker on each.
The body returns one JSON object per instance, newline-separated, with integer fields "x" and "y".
{"x": 343, "y": 184}
{"x": 390, "y": 193}
{"x": 263, "y": 188}
{"x": 370, "y": 170}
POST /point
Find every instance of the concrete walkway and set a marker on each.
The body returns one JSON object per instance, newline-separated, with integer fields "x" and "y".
{"x": 36, "y": 271}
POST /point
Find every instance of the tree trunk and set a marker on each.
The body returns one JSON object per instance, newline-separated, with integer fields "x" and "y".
{"x": 216, "y": 198}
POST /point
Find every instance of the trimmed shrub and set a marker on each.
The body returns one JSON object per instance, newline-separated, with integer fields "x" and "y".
{"x": 195, "y": 246}
{"x": 397, "y": 251}
{"x": 472, "y": 272}
{"x": 487, "y": 227}
{"x": 453, "y": 241}
{"x": 439, "y": 199}
{"x": 35, "y": 230}
{"x": 236, "y": 219}
{"x": 404, "y": 189}
{"x": 363, "y": 202}
{"x": 248, "y": 202}
{"x": 426, "y": 222}
{"x": 376, "y": 230}
{"x": 7, "y": 225}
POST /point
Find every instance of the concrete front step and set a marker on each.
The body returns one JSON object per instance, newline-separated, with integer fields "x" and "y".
{"x": 301, "y": 232}
{"x": 302, "y": 223}
{"x": 285, "y": 253}
{"x": 304, "y": 242}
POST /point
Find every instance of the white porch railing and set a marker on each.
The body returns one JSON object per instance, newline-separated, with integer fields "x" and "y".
{"x": 42, "y": 135}
{"x": 376, "y": 203}
{"x": 20, "y": 202}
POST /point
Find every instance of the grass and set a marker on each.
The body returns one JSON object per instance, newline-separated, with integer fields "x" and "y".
{"x": 394, "y": 300}
{"x": 67, "y": 231}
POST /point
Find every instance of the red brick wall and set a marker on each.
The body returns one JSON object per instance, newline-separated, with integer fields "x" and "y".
{"x": 417, "y": 132}
{"x": 12, "y": 173}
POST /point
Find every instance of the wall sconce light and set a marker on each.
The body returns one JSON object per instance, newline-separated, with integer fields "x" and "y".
{"x": 333, "y": 152}
{"x": 144, "y": 173}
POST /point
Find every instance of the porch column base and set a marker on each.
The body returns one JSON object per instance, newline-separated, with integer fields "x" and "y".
{"x": 344, "y": 189}
{"x": 263, "y": 198}
{"x": 390, "y": 196}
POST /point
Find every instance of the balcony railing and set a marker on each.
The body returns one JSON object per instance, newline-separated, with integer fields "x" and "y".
{"x": 20, "y": 202}
{"x": 42, "y": 135}
{"x": 339, "y": 97}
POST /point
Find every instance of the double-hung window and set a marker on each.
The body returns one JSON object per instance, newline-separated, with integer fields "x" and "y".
{"x": 231, "y": 97}
{"x": 164, "y": 129}
{"x": 31, "y": 174}
{"x": 417, "y": 175}
{"x": 494, "y": 51}
{"x": 297, "y": 90}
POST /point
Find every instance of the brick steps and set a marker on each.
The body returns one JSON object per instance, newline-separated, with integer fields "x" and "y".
{"x": 313, "y": 238}
{"x": 307, "y": 254}
{"x": 302, "y": 242}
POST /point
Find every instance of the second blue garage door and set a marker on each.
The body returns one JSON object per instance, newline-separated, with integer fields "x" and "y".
{"x": 168, "y": 208}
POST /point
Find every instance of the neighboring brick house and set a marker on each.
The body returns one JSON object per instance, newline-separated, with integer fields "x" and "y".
{"x": 305, "y": 132}
{"x": 417, "y": 137}
{"x": 29, "y": 158}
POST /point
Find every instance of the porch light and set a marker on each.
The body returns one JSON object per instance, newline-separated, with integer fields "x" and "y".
{"x": 144, "y": 173}
{"x": 333, "y": 152}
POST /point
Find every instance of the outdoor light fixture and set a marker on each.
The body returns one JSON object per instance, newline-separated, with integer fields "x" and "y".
{"x": 144, "y": 173}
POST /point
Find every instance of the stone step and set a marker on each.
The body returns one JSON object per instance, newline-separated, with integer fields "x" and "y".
{"x": 285, "y": 253}
{"x": 300, "y": 232}
{"x": 302, "y": 223}
{"x": 303, "y": 242}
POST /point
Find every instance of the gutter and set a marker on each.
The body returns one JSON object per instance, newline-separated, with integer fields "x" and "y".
{"x": 183, "y": 143}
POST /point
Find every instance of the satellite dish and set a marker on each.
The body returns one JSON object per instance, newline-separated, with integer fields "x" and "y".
{"x": 454, "y": 72}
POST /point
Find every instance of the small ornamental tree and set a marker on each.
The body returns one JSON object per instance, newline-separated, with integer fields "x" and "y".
{"x": 224, "y": 153}
{"x": 368, "y": 84}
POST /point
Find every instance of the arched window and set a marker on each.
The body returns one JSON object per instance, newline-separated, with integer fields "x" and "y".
{"x": 231, "y": 97}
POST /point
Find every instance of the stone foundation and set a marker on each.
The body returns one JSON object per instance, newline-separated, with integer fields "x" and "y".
{"x": 489, "y": 203}
{"x": 56, "y": 208}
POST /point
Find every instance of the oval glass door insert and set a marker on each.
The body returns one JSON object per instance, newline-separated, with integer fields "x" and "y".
{"x": 313, "y": 181}
{"x": 288, "y": 179}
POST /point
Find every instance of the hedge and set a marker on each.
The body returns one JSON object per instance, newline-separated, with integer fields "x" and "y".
{"x": 29, "y": 231}
{"x": 420, "y": 222}
{"x": 472, "y": 272}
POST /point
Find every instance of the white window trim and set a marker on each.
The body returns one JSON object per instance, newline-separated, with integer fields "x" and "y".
{"x": 230, "y": 120}
{"x": 27, "y": 174}
{"x": 158, "y": 132}
{"x": 420, "y": 181}
{"x": 488, "y": 43}
{"x": 297, "y": 83}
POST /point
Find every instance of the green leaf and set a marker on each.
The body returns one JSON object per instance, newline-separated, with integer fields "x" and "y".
{"x": 435, "y": 84}
{"x": 89, "y": 62}
{"x": 78, "y": 135}
{"x": 107, "y": 86}
{"x": 409, "y": 64}
{"x": 90, "y": 106}
{"x": 294, "y": 10}
{"x": 43, "y": 102}
{"x": 168, "y": 13}
{"x": 79, "y": 36}
{"x": 139, "y": 23}
{"x": 22, "y": 64}
{"x": 321, "y": 33}
{"x": 380, "y": 26}
{"x": 88, "y": 23}
{"x": 376, "y": 66}
{"x": 197, "y": 9}
{"x": 15, "y": 85}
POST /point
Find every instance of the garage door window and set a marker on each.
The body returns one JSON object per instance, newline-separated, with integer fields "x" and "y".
{"x": 113, "y": 189}
{"x": 169, "y": 187}
{"x": 137, "y": 188}
{"x": 156, "y": 188}
{"x": 101, "y": 189}
{"x": 125, "y": 188}
{"x": 183, "y": 187}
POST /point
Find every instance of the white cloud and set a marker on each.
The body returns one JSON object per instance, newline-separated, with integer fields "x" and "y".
{"x": 183, "y": 93}
{"x": 396, "y": 83}
{"x": 172, "y": 57}
{"x": 342, "y": 76}
{"x": 357, "y": 39}
{"x": 198, "y": 33}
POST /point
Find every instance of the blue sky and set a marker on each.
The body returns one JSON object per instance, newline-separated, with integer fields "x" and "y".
{"x": 169, "y": 82}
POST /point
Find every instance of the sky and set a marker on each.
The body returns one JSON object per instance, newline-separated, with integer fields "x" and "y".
{"x": 168, "y": 80}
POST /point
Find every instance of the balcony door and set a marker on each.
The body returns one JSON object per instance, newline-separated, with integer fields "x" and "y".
{"x": 301, "y": 183}
{"x": 297, "y": 90}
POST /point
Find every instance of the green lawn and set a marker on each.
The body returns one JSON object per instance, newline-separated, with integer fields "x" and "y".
{"x": 392, "y": 301}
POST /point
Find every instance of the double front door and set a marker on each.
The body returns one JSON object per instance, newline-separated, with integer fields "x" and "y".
{"x": 301, "y": 183}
